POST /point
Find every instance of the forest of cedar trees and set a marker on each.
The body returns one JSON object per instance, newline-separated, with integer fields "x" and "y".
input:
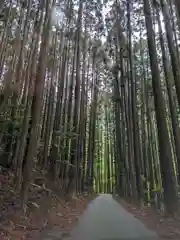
{"x": 90, "y": 98}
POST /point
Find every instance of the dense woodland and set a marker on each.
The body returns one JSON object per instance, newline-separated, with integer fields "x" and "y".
{"x": 90, "y": 97}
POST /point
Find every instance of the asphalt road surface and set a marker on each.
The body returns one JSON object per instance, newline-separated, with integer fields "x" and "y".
{"x": 105, "y": 219}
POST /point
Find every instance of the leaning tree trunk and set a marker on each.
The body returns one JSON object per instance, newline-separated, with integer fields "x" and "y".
{"x": 36, "y": 107}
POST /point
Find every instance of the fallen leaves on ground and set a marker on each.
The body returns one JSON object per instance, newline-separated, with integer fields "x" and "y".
{"x": 44, "y": 212}
{"x": 60, "y": 214}
{"x": 166, "y": 227}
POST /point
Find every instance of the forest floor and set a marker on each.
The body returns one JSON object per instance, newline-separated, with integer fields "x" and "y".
{"x": 44, "y": 211}
{"x": 48, "y": 211}
{"x": 166, "y": 227}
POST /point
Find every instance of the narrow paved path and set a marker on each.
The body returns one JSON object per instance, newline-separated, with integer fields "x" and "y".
{"x": 105, "y": 219}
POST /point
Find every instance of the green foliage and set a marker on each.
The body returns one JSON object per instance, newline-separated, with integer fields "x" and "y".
{"x": 66, "y": 135}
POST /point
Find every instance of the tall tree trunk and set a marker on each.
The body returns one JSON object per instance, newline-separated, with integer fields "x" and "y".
{"x": 166, "y": 161}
